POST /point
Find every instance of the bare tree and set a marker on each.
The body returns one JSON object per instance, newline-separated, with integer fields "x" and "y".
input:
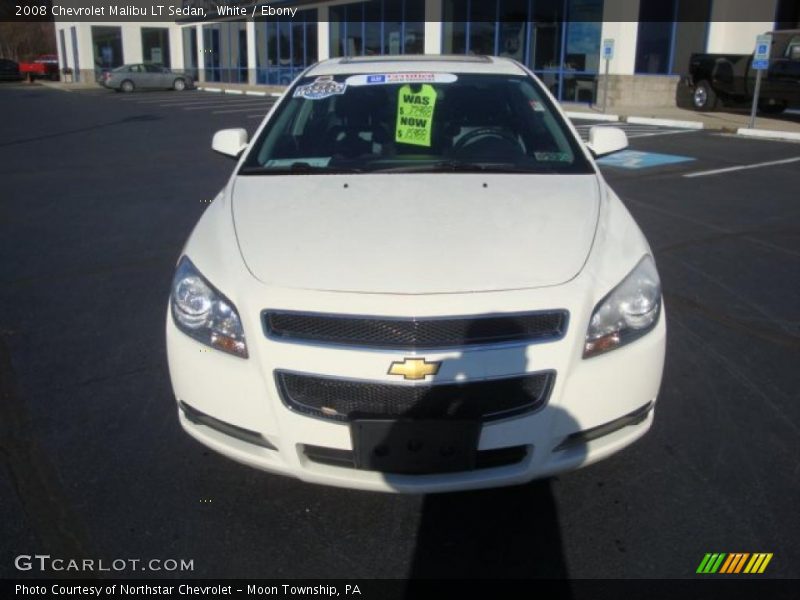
{"x": 26, "y": 41}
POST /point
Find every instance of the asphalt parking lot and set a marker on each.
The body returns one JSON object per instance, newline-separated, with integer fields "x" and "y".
{"x": 99, "y": 193}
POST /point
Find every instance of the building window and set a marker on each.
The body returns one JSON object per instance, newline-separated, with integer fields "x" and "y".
{"x": 107, "y": 48}
{"x": 513, "y": 30}
{"x": 558, "y": 39}
{"x": 669, "y": 32}
{"x": 155, "y": 46}
{"x": 377, "y": 27}
{"x": 285, "y": 48}
{"x": 190, "y": 51}
{"x": 225, "y": 52}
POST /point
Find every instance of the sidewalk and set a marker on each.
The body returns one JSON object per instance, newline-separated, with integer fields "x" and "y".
{"x": 731, "y": 120}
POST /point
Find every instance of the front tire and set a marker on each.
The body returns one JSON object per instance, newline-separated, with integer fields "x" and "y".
{"x": 704, "y": 98}
{"x": 127, "y": 86}
{"x": 179, "y": 85}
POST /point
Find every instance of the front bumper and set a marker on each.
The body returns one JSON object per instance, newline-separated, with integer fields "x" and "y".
{"x": 612, "y": 396}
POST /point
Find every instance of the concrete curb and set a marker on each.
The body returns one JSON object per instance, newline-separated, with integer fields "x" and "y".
{"x": 237, "y": 92}
{"x": 591, "y": 116}
{"x": 768, "y": 134}
{"x": 665, "y": 122}
{"x": 67, "y": 87}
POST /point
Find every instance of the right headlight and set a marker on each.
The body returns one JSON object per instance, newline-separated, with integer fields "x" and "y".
{"x": 628, "y": 312}
{"x": 202, "y": 312}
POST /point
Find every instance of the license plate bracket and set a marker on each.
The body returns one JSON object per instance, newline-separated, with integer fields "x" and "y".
{"x": 415, "y": 447}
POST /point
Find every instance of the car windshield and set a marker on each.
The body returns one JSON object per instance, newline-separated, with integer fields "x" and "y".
{"x": 415, "y": 122}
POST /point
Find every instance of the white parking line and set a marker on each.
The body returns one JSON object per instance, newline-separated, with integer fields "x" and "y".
{"x": 144, "y": 97}
{"x": 234, "y": 110}
{"x": 209, "y": 104}
{"x": 178, "y": 100}
{"x": 632, "y": 131}
{"x": 252, "y": 103}
{"x": 743, "y": 167}
{"x": 94, "y": 92}
{"x": 199, "y": 101}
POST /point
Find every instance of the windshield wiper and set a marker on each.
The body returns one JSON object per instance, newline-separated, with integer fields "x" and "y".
{"x": 297, "y": 168}
{"x": 455, "y": 166}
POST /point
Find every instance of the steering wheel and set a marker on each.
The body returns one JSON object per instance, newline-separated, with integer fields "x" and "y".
{"x": 485, "y": 132}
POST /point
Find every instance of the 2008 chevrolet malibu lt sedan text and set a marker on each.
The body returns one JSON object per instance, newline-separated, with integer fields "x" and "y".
{"x": 416, "y": 280}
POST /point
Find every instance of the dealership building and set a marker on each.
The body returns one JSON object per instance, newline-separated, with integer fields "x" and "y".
{"x": 560, "y": 40}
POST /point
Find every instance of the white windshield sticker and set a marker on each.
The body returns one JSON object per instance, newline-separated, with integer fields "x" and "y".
{"x": 317, "y": 161}
{"x": 393, "y": 78}
{"x": 322, "y": 87}
{"x": 537, "y": 106}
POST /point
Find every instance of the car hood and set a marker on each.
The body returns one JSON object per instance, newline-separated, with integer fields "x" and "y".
{"x": 415, "y": 233}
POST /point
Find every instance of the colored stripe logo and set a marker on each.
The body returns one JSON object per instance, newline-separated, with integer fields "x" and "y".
{"x": 734, "y": 563}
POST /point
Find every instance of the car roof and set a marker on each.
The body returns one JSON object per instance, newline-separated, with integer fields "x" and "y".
{"x": 411, "y": 63}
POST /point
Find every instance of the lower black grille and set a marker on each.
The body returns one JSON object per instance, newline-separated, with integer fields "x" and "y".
{"x": 344, "y": 399}
{"x": 414, "y": 333}
{"x": 485, "y": 459}
{"x": 200, "y": 418}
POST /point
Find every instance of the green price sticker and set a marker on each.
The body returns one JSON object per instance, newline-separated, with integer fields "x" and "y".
{"x": 415, "y": 115}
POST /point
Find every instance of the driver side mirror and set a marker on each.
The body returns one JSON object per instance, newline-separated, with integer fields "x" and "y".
{"x": 605, "y": 140}
{"x": 230, "y": 142}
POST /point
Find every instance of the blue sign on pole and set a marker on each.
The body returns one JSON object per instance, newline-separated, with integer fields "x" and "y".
{"x": 761, "y": 55}
{"x": 608, "y": 49}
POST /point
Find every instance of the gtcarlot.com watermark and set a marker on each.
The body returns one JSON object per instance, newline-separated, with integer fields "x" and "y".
{"x": 47, "y": 563}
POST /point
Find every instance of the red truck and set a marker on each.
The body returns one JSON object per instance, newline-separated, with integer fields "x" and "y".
{"x": 44, "y": 67}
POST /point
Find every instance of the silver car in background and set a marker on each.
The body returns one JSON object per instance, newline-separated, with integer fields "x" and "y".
{"x": 128, "y": 78}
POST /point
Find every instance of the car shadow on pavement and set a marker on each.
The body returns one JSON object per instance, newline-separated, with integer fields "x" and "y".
{"x": 506, "y": 532}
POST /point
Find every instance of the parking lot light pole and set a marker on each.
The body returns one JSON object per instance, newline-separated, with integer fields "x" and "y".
{"x": 608, "y": 54}
{"x": 756, "y": 93}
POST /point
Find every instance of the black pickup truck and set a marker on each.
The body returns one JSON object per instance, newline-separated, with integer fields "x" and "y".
{"x": 730, "y": 78}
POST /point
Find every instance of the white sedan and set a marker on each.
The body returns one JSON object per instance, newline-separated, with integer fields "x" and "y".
{"x": 416, "y": 280}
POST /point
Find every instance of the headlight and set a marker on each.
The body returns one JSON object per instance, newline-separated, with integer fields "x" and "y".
{"x": 202, "y": 312}
{"x": 627, "y": 313}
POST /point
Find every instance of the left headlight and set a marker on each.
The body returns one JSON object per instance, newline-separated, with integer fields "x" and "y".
{"x": 628, "y": 312}
{"x": 202, "y": 312}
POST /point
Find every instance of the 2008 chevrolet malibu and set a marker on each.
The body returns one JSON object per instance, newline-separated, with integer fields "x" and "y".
{"x": 416, "y": 280}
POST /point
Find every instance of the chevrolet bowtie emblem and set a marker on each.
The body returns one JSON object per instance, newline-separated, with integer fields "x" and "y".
{"x": 414, "y": 368}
